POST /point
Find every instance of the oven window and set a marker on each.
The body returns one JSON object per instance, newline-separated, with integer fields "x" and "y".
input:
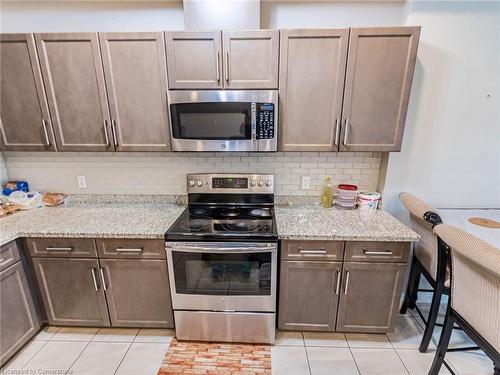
{"x": 222, "y": 274}
{"x": 218, "y": 120}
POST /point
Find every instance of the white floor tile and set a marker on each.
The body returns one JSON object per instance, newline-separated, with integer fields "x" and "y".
{"x": 470, "y": 363}
{"x": 419, "y": 363}
{"x": 331, "y": 339}
{"x": 367, "y": 340}
{"x": 116, "y": 334}
{"x": 75, "y": 334}
{"x": 55, "y": 356}
{"x": 47, "y": 333}
{"x": 407, "y": 333}
{"x": 101, "y": 358}
{"x": 331, "y": 361}
{"x": 143, "y": 358}
{"x": 289, "y": 338}
{"x": 289, "y": 360}
{"x": 155, "y": 335}
{"x": 378, "y": 362}
{"x": 20, "y": 360}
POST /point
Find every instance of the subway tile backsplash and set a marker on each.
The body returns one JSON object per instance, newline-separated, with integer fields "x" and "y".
{"x": 165, "y": 173}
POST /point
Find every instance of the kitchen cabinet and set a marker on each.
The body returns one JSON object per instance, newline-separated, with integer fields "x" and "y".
{"x": 311, "y": 86}
{"x": 72, "y": 291}
{"x": 138, "y": 292}
{"x": 18, "y": 318}
{"x": 136, "y": 79}
{"x": 74, "y": 81}
{"x": 309, "y": 295}
{"x": 62, "y": 247}
{"x": 25, "y": 122}
{"x": 369, "y": 297}
{"x": 194, "y": 59}
{"x": 378, "y": 82}
{"x": 131, "y": 248}
{"x": 251, "y": 59}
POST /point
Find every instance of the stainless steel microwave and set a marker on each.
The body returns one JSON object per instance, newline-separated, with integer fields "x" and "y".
{"x": 223, "y": 120}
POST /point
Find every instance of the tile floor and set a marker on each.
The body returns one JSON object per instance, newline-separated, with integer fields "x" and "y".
{"x": 106, "y": 351}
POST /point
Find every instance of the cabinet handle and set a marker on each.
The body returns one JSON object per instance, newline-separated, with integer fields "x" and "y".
{"x": 346, "y": 282}
{"x": 102, "y": 278}
{"x": 59, "y": 248}
{"x": 106, "y": 136}
{"x": 113, "y": 130}
{"x": 227, "y": 66}
{"x": 320, "y": 251}
{"x": 1, "y": 260}
{"x": 346, "y": 132}
{"x": 369, "y": 252}
{"x": 122, "y": 250}
{"x": 337, "y": 132}
{"x": 94, "y": 279}
{"x": 45, "y": 132}
{"x": 218, "y": 66}
{"x": 337, "y": 288}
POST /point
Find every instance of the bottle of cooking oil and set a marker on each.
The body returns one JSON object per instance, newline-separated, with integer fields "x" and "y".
{"x": 326, "y": 197}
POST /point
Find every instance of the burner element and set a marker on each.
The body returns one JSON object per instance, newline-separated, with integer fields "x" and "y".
{"x": 230, "y": 212}
{"x": 241, "y": 226}
{"x": 260, "y": 212}
{"x": 197, "y": 225}
{"x": 199, "y": 211}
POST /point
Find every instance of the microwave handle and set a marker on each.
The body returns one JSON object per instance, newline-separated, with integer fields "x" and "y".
{"x": 253, "y": 121}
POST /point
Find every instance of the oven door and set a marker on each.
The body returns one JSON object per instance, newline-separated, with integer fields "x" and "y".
{"x": 222, "y": 276}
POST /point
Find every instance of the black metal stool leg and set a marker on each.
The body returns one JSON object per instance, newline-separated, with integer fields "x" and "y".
{"x": 443, "y": 345}
{"x": 497, "y": 369}
{"x": 409, "y": 290}
{"x": 414, "y": 294}
{"x": 432, "y": 318}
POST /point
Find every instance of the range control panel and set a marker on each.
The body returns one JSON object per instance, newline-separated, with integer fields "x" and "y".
{"x": 230, "y": 183}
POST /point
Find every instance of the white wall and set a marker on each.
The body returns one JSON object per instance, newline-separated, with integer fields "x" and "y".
{"x": 4, "y": 177}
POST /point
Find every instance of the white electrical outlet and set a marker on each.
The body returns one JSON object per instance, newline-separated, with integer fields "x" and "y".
{"x": 82, "y": 182}
{"x": 306, "y": 182}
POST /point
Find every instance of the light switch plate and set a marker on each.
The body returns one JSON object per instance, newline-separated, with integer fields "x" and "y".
{"x": 82, "y": 182}
{"x": 306, "y": 182}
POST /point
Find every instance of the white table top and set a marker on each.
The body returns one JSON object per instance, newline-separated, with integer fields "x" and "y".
{"x": 460, "y": 219}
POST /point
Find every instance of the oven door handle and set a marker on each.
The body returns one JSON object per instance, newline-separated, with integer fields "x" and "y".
{"x": 229, "y": 250}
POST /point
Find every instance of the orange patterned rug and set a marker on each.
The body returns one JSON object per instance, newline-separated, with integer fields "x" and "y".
{"x": 203, "y": 358}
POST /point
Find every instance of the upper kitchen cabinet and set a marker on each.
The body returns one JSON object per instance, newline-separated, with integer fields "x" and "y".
{"x": 136, "y": 80}
{"x": 311, "y": 84}
{"x": 251, "y": 59}
{"x": 24, "y": 114}
{"x": 379, "y": 75}
{"x": 194, "y": 59}
{"x": 74, "y": 80}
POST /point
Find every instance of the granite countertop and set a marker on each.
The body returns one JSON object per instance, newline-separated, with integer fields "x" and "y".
{"x": 151, "y": 220}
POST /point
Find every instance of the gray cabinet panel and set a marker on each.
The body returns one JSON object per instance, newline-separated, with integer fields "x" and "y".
{"x": 72, "y": 291}
{"x": 9, "y": 254}
{"x": 18, "y": 319}
{"x": 25, "y": 123}
{"x": 362, "y": 251}
{"x": 136, "y": 79}
{"x": 377, "y": 89}
{"x": 312, "y": 250}
{"x": 62, "y": 247}
{"x": 308, "y": 295}
{"x": 370, "y": 295}
{"x": 138, "y": 292}
{"x": 74, "y": 80}
{"x": 131, "y": 248}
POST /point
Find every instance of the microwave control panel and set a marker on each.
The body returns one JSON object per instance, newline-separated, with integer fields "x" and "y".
{"x": 265, "y": 121}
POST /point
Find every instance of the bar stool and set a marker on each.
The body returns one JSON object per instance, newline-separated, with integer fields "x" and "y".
{"x": 474, "y": 295}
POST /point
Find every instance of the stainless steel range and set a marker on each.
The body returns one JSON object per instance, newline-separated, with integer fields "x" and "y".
{"x": 222, "y": 259}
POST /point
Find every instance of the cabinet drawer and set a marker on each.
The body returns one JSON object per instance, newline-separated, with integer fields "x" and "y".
{"x": 131, "y": 248}
{"x": 312, "y": 250}
{"x": 62, "y": 247}
{"x": 9, "y": 254}
{"x": 380, "y": 252}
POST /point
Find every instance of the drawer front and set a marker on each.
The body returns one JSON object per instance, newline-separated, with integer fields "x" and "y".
{"x": 9, "y": 254}
{"x": 131, "y": 248}
{"x": 396, "y": 252}
{"x": 312, "y": 250}
{"x": 62, "y": 247}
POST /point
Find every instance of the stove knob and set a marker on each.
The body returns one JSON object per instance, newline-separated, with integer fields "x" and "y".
{"x": 199, "y": 183}
{"x": 261, "y": 183}
{"x": 268, "y": 183}
{"x": 191, "y": 183}
{"x": 252, "y": 183}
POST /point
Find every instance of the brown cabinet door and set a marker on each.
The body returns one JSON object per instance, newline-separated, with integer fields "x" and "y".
{"x": 18, "y": 319}
{"x": 309, "y": 295}
{"x": 62, "y": 247}
{"x": 194, "y": 59}
{"x": 73, "y": 77}
{"x": 377, "y": 90}
{"x": 136, "y": 80}
{"x": 24, "y": 114}
{"x": 138, "y": 292}
{"x": 72, "y": 291}
{"x": 251, "y": 59}
{"x": 369, "y": 297}
{"x": 312, "y": 71}
{"x": 131, "y": 248}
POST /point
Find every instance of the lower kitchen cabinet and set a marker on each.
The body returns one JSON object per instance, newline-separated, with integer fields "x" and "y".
{"x": 369, "y": 297}
{"x": 72, "y": 291}
{"x": 18, "y": 319}
{"x": 309, "y": 295}
{"x": 137, "y": 291}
